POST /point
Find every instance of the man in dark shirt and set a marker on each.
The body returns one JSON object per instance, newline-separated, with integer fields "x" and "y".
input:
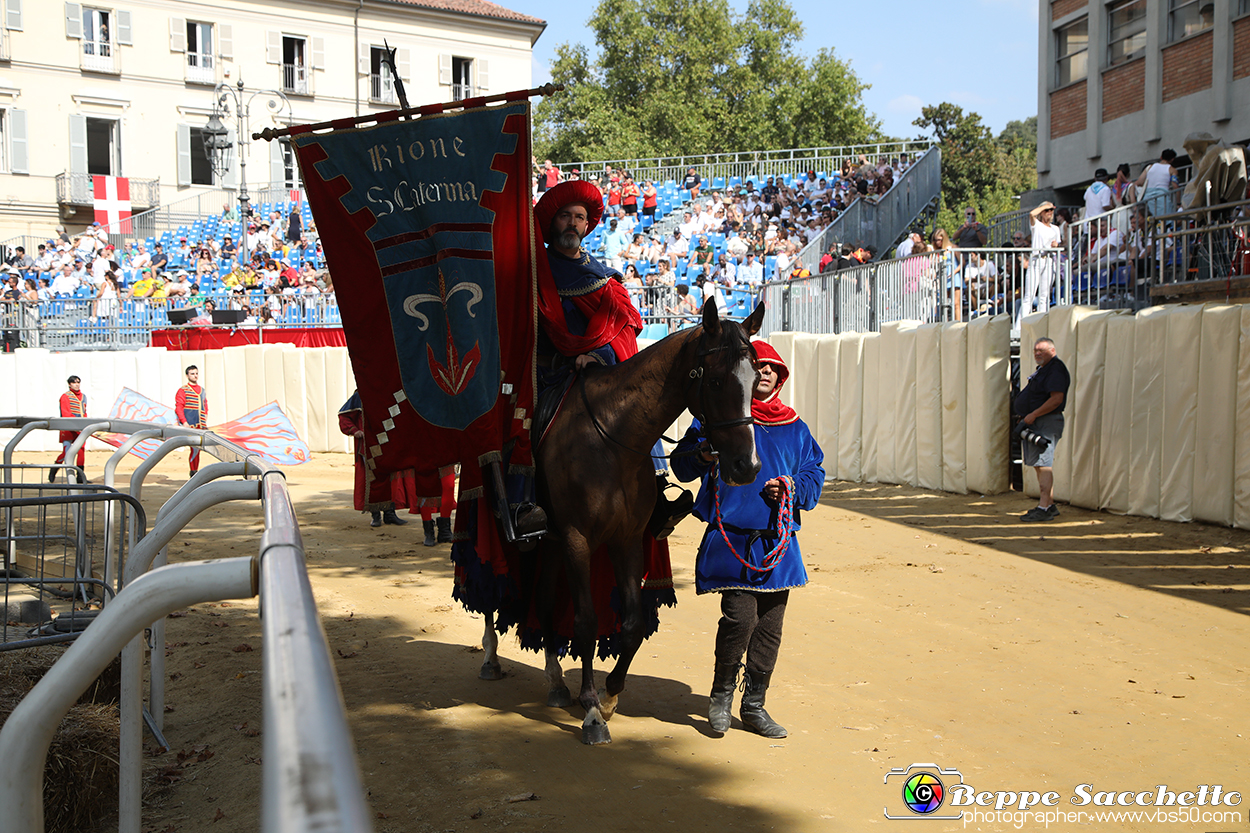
{"x": 159, "y": 259}
{"x": 1040, "y": 406}
{"x": 971, "y": 235}
{"x": 769, "y": 192}
{"x": 692, "y": 183}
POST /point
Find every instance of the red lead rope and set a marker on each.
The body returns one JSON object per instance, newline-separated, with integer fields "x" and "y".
{"x": 785, "y": 524}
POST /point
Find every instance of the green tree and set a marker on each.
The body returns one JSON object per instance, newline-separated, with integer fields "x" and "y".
{"x": 978, "y": 169}
{"x": 690, "y": 76}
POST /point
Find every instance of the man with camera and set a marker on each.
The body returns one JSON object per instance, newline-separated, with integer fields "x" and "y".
{"x": 1040, "y": 408}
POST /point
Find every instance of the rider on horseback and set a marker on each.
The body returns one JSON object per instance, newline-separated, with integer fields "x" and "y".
{"x": 591, "y": 319}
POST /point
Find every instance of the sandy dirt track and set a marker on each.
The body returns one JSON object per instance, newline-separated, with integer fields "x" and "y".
{"x": 1094, "y": 649}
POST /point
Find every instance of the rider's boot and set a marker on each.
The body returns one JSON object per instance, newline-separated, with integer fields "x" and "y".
{"x": 720, "y": 704}
{"x": 668, "y": 513}
{"x": 528, "y": 518}
{"x": 752, "y": 709}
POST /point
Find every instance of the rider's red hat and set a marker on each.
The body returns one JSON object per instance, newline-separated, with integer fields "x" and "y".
{"x": 569, "y": 191}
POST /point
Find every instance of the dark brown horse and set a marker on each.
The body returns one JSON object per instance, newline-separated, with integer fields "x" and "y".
{"x": 596, "y": 480}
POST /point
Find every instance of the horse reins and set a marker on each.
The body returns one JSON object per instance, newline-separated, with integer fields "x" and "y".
{"x": 697, "y": 375}
{"x": 785, "y": 524}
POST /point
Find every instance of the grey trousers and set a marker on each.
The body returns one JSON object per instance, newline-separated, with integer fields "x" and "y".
{"x": 751, "y": 622}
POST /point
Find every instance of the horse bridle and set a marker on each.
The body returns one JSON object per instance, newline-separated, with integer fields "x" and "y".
{"x": 696, "y": 374}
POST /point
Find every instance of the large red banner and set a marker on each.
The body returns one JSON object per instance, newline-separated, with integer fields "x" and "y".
{"x": 427, "y": 228}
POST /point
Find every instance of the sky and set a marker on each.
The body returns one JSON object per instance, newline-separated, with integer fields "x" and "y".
{"x": 983, "y": 57}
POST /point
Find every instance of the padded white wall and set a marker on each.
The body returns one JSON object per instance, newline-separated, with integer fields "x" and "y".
{"x": 929, "y": 406}
{"x": 829, "y": 358}
{"x": 989, "y": 365}
{"x": 850, "y": 448}
{"x": 1217, "y": 405}
{"x": 1117, "y": 415}
{"x": 905, "y": 404}
{"x": 1241, "y": 442}
{"x": 1083, "y": 425}
{"x": 236, "y": 380}
{"x": 872, "y": 404}
{"x": 955, "y": 408}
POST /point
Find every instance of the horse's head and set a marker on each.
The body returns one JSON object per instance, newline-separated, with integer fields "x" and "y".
{"x": 725, "y": 367}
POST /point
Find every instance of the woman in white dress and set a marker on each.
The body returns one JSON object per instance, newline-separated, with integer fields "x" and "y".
{"x": 1043, "y": 260}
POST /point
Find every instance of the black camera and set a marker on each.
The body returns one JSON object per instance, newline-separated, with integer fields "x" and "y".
{"x": 1026, "y": 434}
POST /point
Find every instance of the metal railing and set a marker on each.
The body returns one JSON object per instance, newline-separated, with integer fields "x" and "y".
{"x": 953, "y": 285}
{"x": 296, "y": 79}
{"x": 310, "y": 778}
{"x": 201, "y": 68}
{"x": 73, "y": 188}
{"x": 877, "y": 223}
{"x": 100, "y": 56}
{"x": 382, "y": 89}
{"x": 755, "y": 165}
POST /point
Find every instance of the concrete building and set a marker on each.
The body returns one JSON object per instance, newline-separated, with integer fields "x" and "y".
{"x": 1119, "y": 81}
{"x": 97, "y": 88}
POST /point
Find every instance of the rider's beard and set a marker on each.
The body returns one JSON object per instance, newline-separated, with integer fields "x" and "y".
{"x": 568, "y": 239}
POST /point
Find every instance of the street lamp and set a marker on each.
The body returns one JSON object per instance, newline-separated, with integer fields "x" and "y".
{"x": 217, "y": 144}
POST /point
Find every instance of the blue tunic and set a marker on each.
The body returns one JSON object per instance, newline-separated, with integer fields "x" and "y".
{"x": 783, "y": 450}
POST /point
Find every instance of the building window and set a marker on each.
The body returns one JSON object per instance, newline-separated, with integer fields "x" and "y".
{"x": 103, "y": 147}
{"x": 290, "y": 167}
{"x": 1072, "y": 61}
{"x": 1127, "y": 38}
{"x": 200, "y": 65}
{"x": 201, "y": 166}
{"x": 294, "y": 65}
{"x": 461, "y": 78}
{"x": 97, "y": 43}
{"x": 1189, "y": 17}
{"x": 1243, "y": 6}
{"x": 381, "y": 82}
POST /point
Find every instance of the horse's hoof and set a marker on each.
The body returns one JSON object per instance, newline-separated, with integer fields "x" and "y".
{"x": 595, "y": 733}
{"x": 560, "y": 698}
{"x": 490, "y": 671}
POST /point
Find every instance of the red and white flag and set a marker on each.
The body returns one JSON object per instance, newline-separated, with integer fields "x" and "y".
{"x": 112, "y": 202}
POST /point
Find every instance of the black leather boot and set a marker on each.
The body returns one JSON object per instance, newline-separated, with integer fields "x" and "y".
{"x": 428, "y": 526}
{"x": 390, "y": 517}
{"x": 668, "y": 513}
{"x": 752, "y": 711}
{"x": 376, "y": 520}
{"x": 444, "y": 530}
{"x": 720, "y": 704}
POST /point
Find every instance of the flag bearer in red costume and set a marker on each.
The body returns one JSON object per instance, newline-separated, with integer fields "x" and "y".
{"x": 73, "y": 404}
{"x": 377, "y": 497}
{"x": 589, "y": 317}
{"x": 191, "y": 408}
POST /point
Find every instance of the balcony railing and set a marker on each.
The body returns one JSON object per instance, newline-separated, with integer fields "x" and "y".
{"x": 76, "y": 189}
{"x": 5, "y": 55}
{"x": 459, "y": 92}
{"x": 100, "y": 56}
{"x": 201, "y": 69}
{"x": 296, "y": 79}
{"x": 382, "y": 89}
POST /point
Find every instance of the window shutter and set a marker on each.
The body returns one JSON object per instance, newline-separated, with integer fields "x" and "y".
{"x": 364, "y": 61}
{"x": 444, "y": 70}
{"x": 277, "y": 170}
{"x": 273, "y": 47}
{"x": 17, "y": 142}
{"x": 184, "y": 154}
{"x": 403, "y": 63}
{"x": 231, "y": 178}
{"x": 318, "y": 53}
{"x": 177, "y": 34}
{"x": 13, "y": 14}
{"x": 481, "y": 69}
{"x": 225, "y": 41}
{"x": 123, "y": 29}
{"x": 73, "y": 21}
{"x": 78, "y": 144}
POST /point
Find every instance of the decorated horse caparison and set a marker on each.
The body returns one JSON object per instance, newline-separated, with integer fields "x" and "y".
{"x": 596, "y": 480}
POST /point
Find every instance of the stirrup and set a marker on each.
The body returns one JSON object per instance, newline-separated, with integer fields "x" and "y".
{"x": 668, "y": 513}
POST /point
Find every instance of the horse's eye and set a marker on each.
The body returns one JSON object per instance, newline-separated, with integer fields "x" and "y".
{"x": 714, "y": 382}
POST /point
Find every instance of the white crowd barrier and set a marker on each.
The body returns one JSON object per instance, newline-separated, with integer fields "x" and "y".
{"x": 917, "y": 404}
{"x": 1157, "y": 420}
{"x": 310, "y": 384}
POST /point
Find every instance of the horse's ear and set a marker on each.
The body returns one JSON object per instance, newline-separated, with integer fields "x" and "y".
{"x": 711, "y": 318}
{"x": 755, "y": 320}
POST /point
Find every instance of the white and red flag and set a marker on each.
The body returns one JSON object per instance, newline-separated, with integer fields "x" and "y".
{"x": 112, "y": 202}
